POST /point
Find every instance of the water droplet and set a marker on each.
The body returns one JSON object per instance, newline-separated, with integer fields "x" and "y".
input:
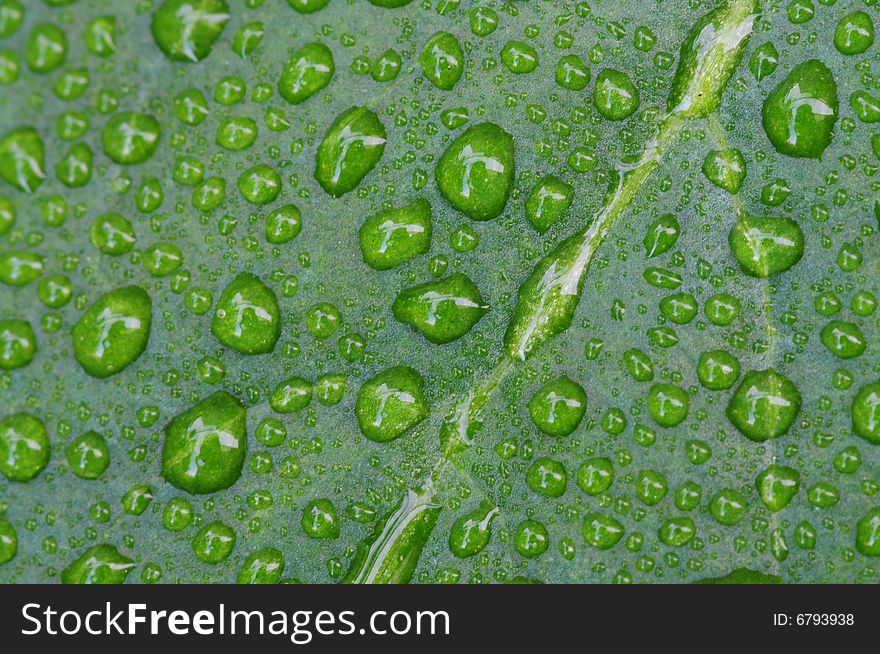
{"x": 309, "y": 6}
{"x": 74, "y": 169}
{"x": 391, "y": 403}
{"x": 309, "y": 70}
{"x": 248, "y": 38}
{"x": 351, "y": 148}
{"x": 8, "y": 542}
{"x": 247, "y": 317}
{"x": 823, "y": 495}
{"x": 854, "y": 33}
{"x": 602, "y": 531}
{"x": 726, "y": 169}
{"x": 7, "y": 214}
{"x": 475, "y": 174}
{"x": 868, "y": 533}
{"x": 558, "y": 407}
{"x": 800, "y": 113}
{"x": 662, "y": 277}
{"x": 443, "y": 310}
{"x": 728, "y": 506}
{"x": 113, "y": 332}
{"x": 848, "y": 460}
{"x": 264, "y": 566}
{"x": 777, "y": 485}
{"x": 18, "y": 344}
{"x": 865, "y": 106}
{"x": 386, "y": 66}
{"x": 547, "y": 477}
{"x": 391, "y": 237}
{"x": 237, "y": 133}
{"x": 388, "y": 4}
{"x": 483, "y": 21}
{"x": 688, "y": 496}
{"x": 651, "y": 487}
{"x": 22, "y": 159}
{"x": 205, "y": 445}
{"x": 11, "y": 17}
{"x": 88, "y": 455}
{"x": 330, "y": 389}
{"x": 470, "y": 533}
{"x": 20, "y": 268}
{"x": 178, "y": 514}
{"x": 100, "y": 564}
{"x": 319, "y": 519}
{"x": 764, "y": 61}
{"x": 615, "y": 96}
{"x": 291, "y": 395}
{"x": 137, "y": 499}
{"x": 595, "y": 475}
{"x": 46, "y": 48}
{"x": 668, "y": 404}
{"x": 283, "y": 224}
{"x": 572, "y": 73}
{"x": 519, "y": 57}
{"x": 112, "y": 234}
{"x": 24, "y": 447}
{"x": 863, "y": 303}
{"x": 661, "y": 235}
{"x": 717, "y": 370}
{"x": 843, "y": 339}
{"x": 322, "y": 320}
{"x": 130, "y": 138}
{"x": 442, "y": 60}
{"x": 722, "y": 309}
{"x": 185, "y": 30}
{"x": 191, "y": 107}
{"x": 638, "y": 365}
{"x": 866, "y": 413}
{"x": 531, "y": 539}
{"x": 766, "y": 246}
{"x": 764, "y": 405}
{"x": 162, "y": 259}
{"x": 260, "y": 184}
{"x": 149, "y": 196}
{"x": 547, "y": 202}
{"x": 214, "y": 542}
{"x": 677, "y": 532}
{"x": 679, "y": 308}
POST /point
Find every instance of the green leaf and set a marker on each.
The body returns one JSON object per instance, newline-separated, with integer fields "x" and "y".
{"x": 435, "y": 292}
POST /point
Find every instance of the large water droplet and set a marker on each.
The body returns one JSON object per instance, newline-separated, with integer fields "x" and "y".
{"x": 100, "y": 564}
{"x": 205, "y": 445}
{"x": 351, "y": 148}
{"x": 558, "y": 407}
{"x": 866, "y": 413}
{"x": 764, "y": 405}
{"x": 24, "y": 447}
{"x": 308, "y": 71}
{"x": 113, "y": 332}
{"x": 442, "y": 310}
{"x": 475, "y": 174}
{"x": 391, "y": 403}
{"x": 391, "y": 237}
{"x": 800, "y": 113}
{"x": 766, "y": 246}
{"x": 185, "y": 30}
{"x": 247, "y": 317}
